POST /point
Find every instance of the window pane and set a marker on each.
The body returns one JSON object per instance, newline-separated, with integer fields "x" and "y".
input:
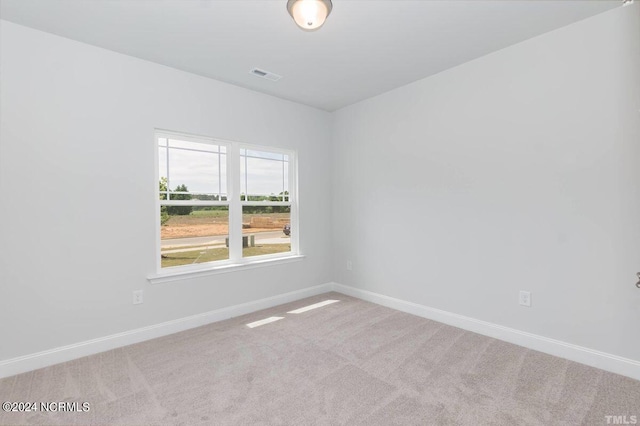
{"x": 263, "y": 154}
{"x": 223, "y": 175}
{"x": 193, "y": 234}
{"x": 266, "y": 230}
{"x": 162, "y": 172}
{"x": 174, "y": 143}
{"x": 197, "y": 171}
{"x": 285, "y": 194}
{"x": 264, "y": 175}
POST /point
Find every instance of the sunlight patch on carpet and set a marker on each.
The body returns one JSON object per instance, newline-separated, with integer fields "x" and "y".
{"x": 314, "y": 306}
{"x": 263, "y": 322}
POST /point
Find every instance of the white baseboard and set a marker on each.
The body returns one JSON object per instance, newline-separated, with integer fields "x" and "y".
{"x": 613, "y": 363}
{"x": 42, "y": 359}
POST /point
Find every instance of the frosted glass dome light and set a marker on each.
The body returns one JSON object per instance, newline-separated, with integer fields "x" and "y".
{"x": 309, "y": 15}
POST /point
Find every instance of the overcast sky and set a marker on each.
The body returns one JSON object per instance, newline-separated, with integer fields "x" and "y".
{"x": 203, "y": 173}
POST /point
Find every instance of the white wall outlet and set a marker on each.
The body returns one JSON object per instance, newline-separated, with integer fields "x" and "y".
{"x": 525, "y": 298}
{"x": 137, "y": 297}
{"x": 349, "y": 265}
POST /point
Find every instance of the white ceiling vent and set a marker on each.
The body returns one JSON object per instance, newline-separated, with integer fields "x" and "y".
{"x": 265, "y": 74}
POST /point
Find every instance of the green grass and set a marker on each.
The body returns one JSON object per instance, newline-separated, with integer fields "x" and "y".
{"x": 198, "y": 247}
{"x": 265, "y": 249}
{"x": 210, "y": 213}
{"x": 219, "y": 253}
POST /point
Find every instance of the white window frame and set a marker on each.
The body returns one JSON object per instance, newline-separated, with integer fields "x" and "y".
{"x": 236, "y": 260}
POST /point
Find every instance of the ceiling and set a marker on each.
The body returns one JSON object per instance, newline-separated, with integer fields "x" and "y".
{"x": 367, "y": 47}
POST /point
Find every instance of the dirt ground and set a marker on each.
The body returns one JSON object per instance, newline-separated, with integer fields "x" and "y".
{"x": 193, "y": 226}
{"x": 196, "y": 230}
{"x": 201, "y": 230}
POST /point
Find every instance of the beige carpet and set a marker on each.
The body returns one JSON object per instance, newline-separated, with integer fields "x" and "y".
{"x": 351, "y": 363}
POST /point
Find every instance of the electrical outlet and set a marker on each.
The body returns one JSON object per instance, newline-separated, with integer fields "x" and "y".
{"x": 137, "y": 297}
{"x": 349, "y": 265}
{"x": 525, "y": 298}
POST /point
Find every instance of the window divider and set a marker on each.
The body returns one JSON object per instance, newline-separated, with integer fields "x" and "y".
{"x": 235, "y": 206}
{"x": 293, "y": 201}
{"x": 195, "y": 203}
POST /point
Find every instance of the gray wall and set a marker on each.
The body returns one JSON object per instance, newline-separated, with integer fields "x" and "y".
{"x": 77, "y": 180}
{"x": 516, "y": 171}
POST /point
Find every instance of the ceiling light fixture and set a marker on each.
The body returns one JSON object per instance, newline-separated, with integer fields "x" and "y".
{"x": 310, "y": 15}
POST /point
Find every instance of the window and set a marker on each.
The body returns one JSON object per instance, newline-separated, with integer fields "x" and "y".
{"x": 223, "y": 203}
{"x": 266, "y": 208}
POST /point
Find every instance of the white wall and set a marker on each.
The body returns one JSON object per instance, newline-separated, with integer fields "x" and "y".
{"x": 517, "y": 171}
{"x": 77, "y": 206}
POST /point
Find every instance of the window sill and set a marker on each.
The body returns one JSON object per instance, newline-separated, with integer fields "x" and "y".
{"x": 168, "y": 276}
